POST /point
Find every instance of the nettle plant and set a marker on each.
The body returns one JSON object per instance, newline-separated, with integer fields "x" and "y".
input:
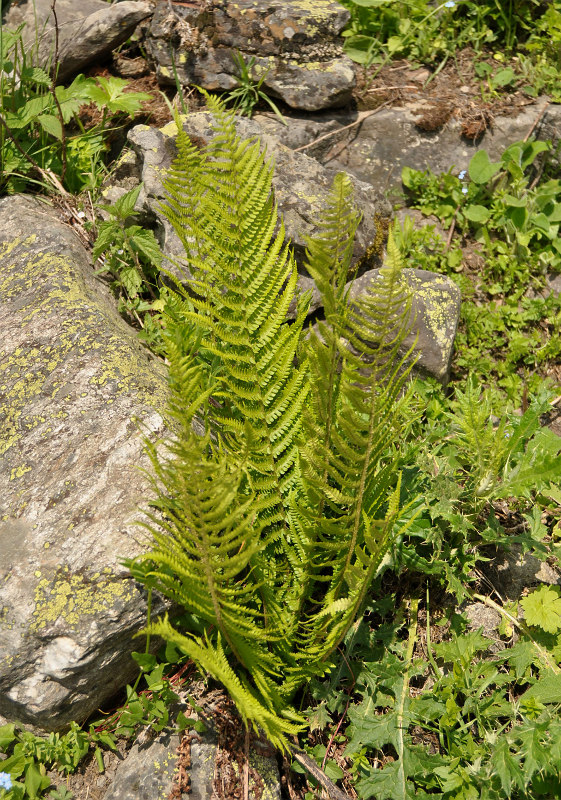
{"x": 269, "y": 528}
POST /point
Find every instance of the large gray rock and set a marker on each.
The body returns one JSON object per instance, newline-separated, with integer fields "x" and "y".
{"x": 75, "y": 384}
{"x": 89, "y": 30}
{"x": 301, "y": 184}
{"x": 295, "y": 43}
{"x": 381, "y": 144}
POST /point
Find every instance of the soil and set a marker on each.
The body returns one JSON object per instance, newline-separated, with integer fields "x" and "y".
{"x": 455, "y": 91}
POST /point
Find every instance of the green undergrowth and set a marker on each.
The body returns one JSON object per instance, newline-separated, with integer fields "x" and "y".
{"x": 499, "y": 242}
{"x": 409, "y": 699}
{"x": 524, "y": 33}
{"x": 44, "y": 145}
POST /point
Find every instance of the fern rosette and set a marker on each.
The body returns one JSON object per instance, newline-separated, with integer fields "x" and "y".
{"x": 270, "y": 527}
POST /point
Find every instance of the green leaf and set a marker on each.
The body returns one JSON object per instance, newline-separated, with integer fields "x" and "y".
{"x": 34, "y": 781}
{"x": 542, "y": 608}
{"x": 146, "y": 661}
{"x": 7, "y": 735}
{"x": 506, "y": 767}
{"x": 109, "y": 235}
{"x": 476, "y": 213}
{"x": 36, "y": 75}
{"x": 51, "y": 125}
{"x": 124, "y": 206}
{"x": 481, "y": 169}
{"x": 144, "y": 242}
{"x": 547, "y": 689}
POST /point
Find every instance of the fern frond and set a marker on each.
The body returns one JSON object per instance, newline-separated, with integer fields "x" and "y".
{"x": 271, "y": 526}
{"x": 213, "y": 660}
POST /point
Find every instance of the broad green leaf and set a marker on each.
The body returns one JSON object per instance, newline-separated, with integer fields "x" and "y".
{"x": 547, "y": 689}
{"x": 50, "y": 125}
{"x": 517, "y": 202}
{"x": 481, "y": 169}
{"x": 542, "y": 608}
{"x": 503, "y": 77}
{"x": 476, "y": 213}
{"x": 145, "y": 243}
{"x": 34, "y": 781}
{"x": 7, "y": 735}
{"x": 124, "y": 206}
{"x": 146, "y": 661}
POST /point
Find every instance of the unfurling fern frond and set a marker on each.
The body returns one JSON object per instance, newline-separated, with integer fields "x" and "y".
{"x": 271, "y": 525}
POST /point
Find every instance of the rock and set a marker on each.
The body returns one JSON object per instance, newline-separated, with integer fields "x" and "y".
{"x": 436, "y": 312}
{"x": 147, "y": 772}
{"x": 75, "y": 385}
{"x": 88, "y": 31}
{"x": 510, "y": 573}
{"x": 295, "y": 45}
{"x": 149, "y": 768}
{"x": 98, "y": 35}
{"x": 377, "y": 148}
{"x": 481, "y": 616}
{"x": 301, "y": 184}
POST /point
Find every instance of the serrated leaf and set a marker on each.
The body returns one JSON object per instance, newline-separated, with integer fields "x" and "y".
{"x": 506, "y": 767}
{"x": 124, "y": 206}
{"x": 108, "y": 235}
{"x": 547, "y": 689}
{"x": 145, "y": 243}
{"x": 542, "y": 608}
{"x": 50, "y": 125}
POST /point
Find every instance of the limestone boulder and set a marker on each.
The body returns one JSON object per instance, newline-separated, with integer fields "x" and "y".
{"x": 76, "y": 388}
{"x": 293, "y": 45}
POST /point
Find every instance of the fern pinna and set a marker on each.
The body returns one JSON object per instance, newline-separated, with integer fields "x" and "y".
{"x": 270, "y": 526}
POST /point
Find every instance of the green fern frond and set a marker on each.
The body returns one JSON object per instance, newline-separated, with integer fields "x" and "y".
{"x": 213, "y": 659}
{"x": 271, "y": 526}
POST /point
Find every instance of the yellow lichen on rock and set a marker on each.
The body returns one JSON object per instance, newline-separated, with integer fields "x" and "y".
{"x": 74, "y": 597}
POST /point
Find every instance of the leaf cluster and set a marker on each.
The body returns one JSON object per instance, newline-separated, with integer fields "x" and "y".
{"x": 131, "y": 256}
{"x": 463, "y": 464}
{"x": 41, "y": 120}
{"x": 509, "y": 323}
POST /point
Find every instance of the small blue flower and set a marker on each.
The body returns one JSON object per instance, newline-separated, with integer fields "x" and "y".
{"x": 5, "y": 780}
{"x": 464, "y": 189}
{"x": 462, "y": 174}
{"x": 449, "y": 4}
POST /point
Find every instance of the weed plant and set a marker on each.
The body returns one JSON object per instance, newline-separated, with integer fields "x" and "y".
{"x": 430, "y": 33}
{"x": 41, "y": 134}
{"x": 510, "y": 219}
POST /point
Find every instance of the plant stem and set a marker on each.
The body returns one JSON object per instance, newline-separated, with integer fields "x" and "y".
{"x": 521, "y": 625}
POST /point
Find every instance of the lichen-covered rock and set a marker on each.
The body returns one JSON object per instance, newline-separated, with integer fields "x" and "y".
{"x": 378, "y": 147}
{"x": 435, "y": 312}
{"x": 301, "y": 184}
{"x": 295, "y": 46}
{"x": 75, "y": 384}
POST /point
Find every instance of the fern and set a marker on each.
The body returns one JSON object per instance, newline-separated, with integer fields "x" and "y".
{"x": 270, "y": 526}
